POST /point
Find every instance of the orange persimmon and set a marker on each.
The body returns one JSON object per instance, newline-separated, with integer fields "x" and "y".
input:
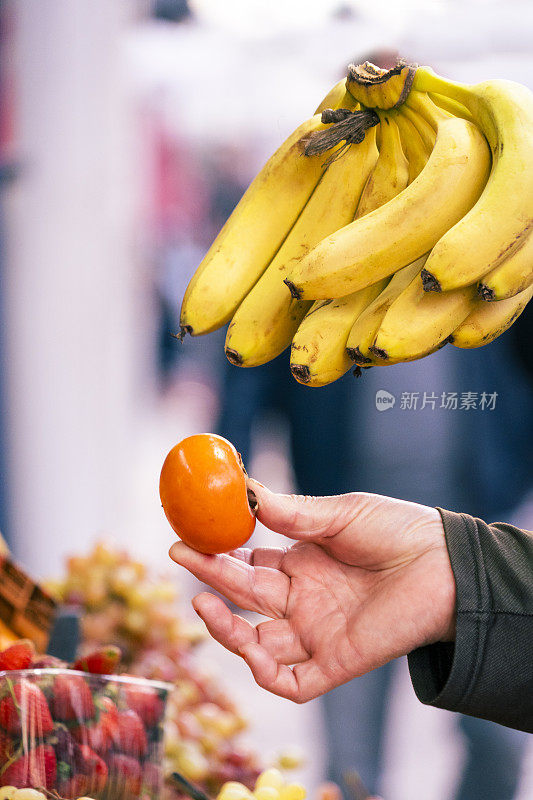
{"x": 204, "y": 495}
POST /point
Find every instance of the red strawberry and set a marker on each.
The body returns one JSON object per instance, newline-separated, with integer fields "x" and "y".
{"x": 125, "y": 777}
{"x": 18, "y": 656}
{"x": 96, "y": 736}
{"x": 89, "y": 763}
{"x": 146, "y": 702}
{"x": 37, "y": 768}
{"x": 100, "y": 662}
{"x": 26, "y": 710}
{"x": 48, "y": 662}
{"x": 130, "y": 735}
{"x": 108, "y": 712}
{"x": 101, "y": 734}
{"x": 76, "y": 786}
{"x": 72, "y": 699}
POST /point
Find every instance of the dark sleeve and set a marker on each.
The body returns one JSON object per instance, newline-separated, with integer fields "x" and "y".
{"x": 488, "y": 671}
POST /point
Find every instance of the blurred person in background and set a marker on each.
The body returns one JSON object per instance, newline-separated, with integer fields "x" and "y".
{"x": 194, "y": 192}
{"x": 478, "y": 461}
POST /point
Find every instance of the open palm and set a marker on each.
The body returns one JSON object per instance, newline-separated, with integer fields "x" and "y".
{"x": 369, "y": 579}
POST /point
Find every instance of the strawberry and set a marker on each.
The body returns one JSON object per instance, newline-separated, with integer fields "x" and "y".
{"x": 108, "y": 712}
{"x": 75, "y": 786}
{"x": 96, "y": 736}
{"x": 101, "y": 734}
{"x": 18, "y": 656}
{"x": 100, "y": 662}
{"x": 26, "y": 709}
{"x": 146, "y": 702}
{"x": 48, "y": 662}
{"x": 130, "y": 735}
{"x": 37, "y": 768}
{"x": 72, "y": 699}
{"x": 91, "y": 764}
{"x": 125, "y": 777}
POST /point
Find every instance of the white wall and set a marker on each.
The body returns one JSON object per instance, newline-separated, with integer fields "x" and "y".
{"x": 73, "y": 310}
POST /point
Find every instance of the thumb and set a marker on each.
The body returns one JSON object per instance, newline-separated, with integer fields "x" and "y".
{"x": 302, "y": 516}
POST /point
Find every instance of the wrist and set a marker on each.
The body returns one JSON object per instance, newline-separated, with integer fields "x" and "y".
{"x": 443, "y": 598}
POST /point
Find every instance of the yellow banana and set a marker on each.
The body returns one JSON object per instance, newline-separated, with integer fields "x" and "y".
{"x": 511, "y": 277}
{"x": 487, "y": 321}
{"x": 412, "y": 145}
{"x": 254, "y": 232}
{"x": 365, "y": 327}
{"x": 500, "y": 224}
{"x": 425, "y": 131}
{"x": 266, "y": 320}
{"x": 407, "y": 226}
{"x": 418, "y": 322}
{"x": 390, "y": 176}
{"x": 318, "y": 350}
{"x": 422, "y": 104}
{"x": 336, "y": 98}
{"x": 318, "y": 354}
{"x": 451, "y": 106}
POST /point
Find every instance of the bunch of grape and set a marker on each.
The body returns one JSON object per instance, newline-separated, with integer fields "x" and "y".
{"x": 122, "y": 602}
{"x": 271, "y": 785}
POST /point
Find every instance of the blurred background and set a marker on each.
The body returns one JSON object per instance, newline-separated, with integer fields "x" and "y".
{"x": 128, "y": 132}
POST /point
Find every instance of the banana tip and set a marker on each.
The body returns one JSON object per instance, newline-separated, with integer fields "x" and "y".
{"x": 233, "y": 357}
{"x": 485, "y": 292}
{"x": 356, "y": 355}
{"x": 301, "y": 373}
{"x": 295, "y": 292}
{"x": 429, "y": 282}
{"x": 379, "y": 352}
{"x": 183, "y": 331}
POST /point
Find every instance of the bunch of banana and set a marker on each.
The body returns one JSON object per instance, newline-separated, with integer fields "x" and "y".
{"x": 379, "y": 248}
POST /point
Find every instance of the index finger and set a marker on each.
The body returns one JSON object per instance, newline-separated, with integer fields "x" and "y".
{"x": 260, "y": 589}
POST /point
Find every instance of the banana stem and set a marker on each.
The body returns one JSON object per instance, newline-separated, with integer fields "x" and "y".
{"x": 426, "y": 80}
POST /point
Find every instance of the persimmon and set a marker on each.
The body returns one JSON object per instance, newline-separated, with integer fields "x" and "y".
{"x": 204, "y": 494}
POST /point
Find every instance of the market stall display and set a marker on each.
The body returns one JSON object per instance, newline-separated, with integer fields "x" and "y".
{"x": 122, "y": 601}
{"x": 70, "y": 733}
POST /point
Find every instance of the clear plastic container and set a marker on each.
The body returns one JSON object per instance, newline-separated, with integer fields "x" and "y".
{"x": 82, "y": 735}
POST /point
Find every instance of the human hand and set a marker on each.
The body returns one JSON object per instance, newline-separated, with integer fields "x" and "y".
{"x": 369, "y": 579}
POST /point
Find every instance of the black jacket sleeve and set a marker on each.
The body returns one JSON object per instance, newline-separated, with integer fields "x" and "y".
{"x": 488, "y": 671}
